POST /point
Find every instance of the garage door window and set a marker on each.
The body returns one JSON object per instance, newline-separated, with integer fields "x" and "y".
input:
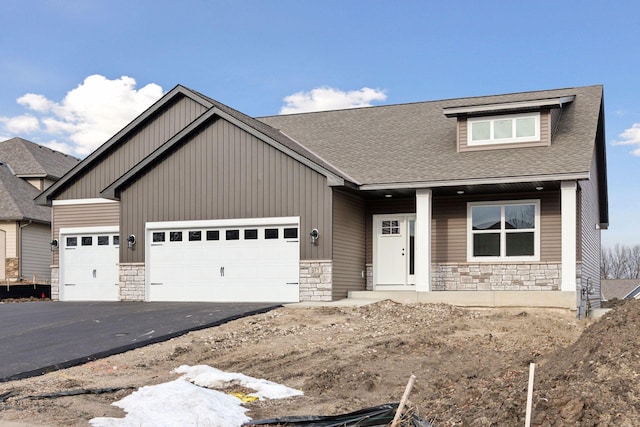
{"x": 175, "y": 236}
{"x": 195, "y": 236}
{"x": 72, "y": 241}
{"x": 158, "y": 237}
{"x": 87, "y": 241}
{"x": 213, "y": 235}
{"x": 270, "y": 233}
{"x": 251, "y": 234}
{"x": 116, "y": 240}
{"x": 233, "y": 234}
{"x": 290, "y": 233}
{"x": 103, "y": 240}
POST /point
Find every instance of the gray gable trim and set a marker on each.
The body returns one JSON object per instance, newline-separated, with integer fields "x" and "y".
{"x": 113, "y": 190}
{"x": 508, "y": 106}
{"x": 49, "y": 194}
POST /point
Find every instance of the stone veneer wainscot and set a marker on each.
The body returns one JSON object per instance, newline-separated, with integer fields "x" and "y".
{"x": 316, "y": 280}
{"x": 132, "y": 279}
{"x": 542, "y": 276}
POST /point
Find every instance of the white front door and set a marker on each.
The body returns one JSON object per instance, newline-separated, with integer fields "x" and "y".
{"x": 393, "y": 251}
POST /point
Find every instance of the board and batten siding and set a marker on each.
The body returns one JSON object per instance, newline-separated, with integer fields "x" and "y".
{"x": 82, "y": 215}
{"x": 224, "y": 172}
{"x": 589, "y": 234}
{"x": 164, "y": 125}
{"x": 349, "y": 224}
{"x": 545, "y": 136}
{"x": 35, "y": 253}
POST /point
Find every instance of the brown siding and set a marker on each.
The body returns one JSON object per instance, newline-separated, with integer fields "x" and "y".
{"x": 545, "y": 136}
{"x": 348, "y": 243}
{"x": 380, "y": 207}
{"x": 224, "y": 172}
{"x": 35, "y": 256}
{"x": 589, "y": 235}
{"x": 449, "y": 223}
{"x": 93, "y": 215}
{"x": 129, "y": 152}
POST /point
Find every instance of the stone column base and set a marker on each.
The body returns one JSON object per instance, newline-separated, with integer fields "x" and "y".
{"x": 132, "y": 277}
{"x": 316, "y": 280}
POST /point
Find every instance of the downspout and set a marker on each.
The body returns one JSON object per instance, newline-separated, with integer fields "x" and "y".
{"x": 20, "y": 258}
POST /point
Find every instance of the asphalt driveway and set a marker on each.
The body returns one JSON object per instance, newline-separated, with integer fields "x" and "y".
{"x": 38, "y": 337}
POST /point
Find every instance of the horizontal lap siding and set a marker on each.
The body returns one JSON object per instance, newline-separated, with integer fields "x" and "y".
{"x": 348, "y": 243}
{"x": 449, "y": 223}
{"x": 129, "y": 152}
{"x": 224, "y": 172}
{"x": 589, "y": 235}
{"x": 89, "y": 215}
{"x": 35, "y": 255}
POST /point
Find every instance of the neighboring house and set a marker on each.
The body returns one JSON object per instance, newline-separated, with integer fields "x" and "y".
{"x": 495, "y": 200}
{"x": 620, "y": 289}
{"x": 25, "y": 228}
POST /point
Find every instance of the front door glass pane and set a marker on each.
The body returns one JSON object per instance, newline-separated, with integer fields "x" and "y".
{"x": 412, "y": 244}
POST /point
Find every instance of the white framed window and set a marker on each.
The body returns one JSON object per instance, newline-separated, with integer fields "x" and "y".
{"x": 503, "y": 231}
{"x": 506, "y": 129}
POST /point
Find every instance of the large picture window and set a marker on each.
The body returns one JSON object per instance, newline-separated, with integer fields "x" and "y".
{"x": 503, "y": 129}
{"x": 504, "y": 231}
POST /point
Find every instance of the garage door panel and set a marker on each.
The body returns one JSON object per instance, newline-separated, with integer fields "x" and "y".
{"x": 227, "y": 264}
{"x": 90, "y": 267}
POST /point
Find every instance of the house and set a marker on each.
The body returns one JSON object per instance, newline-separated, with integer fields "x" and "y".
{"x": 25, "y": 228}
{"x": 494, "y": 200}
{"x": 620, "y": 289}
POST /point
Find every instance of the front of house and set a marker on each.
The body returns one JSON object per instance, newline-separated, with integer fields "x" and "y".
{"x": 494, "y": 200}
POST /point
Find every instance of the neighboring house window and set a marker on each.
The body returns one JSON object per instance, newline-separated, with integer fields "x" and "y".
{"x": 503, "y": 129}
{"x": 504, "y": 231}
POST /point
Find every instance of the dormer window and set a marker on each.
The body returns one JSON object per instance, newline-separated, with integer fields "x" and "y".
{"x": 504, "y": 129}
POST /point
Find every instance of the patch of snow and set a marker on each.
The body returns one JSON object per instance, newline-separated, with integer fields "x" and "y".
{"x": 186, "y": 401}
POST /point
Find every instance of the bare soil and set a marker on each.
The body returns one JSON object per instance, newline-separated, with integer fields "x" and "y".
{"x": 472, "y": 365}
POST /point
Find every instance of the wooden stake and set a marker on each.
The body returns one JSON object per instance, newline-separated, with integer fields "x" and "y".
{"x": 532, "y": 369}
{"x": 403, "y": 401}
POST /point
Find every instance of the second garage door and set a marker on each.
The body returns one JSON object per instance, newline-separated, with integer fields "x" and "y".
{"x": 255, "y": 260}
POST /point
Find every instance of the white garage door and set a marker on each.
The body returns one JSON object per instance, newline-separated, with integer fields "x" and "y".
{"x": 89, "y": 266}
{"x": 250, "y": 261}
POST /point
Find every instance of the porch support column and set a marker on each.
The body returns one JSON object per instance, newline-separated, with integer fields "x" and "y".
{"x": 424, "y": 201}
{"x": 568, "y": 206}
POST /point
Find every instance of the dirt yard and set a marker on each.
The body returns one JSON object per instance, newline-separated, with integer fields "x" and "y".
{"x": 471, "y": 365}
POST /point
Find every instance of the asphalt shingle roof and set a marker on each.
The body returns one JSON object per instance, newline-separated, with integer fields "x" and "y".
{"x": 617, "y": 288}
{"x": 416, "y": 142}
{"x": 29, "y": 159}
{"x": 16, "y": 199}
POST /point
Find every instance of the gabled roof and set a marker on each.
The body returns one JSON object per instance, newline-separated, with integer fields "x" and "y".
{"x": 619, "y": 288}
{"x": 214, "y": 108}
{"x": 16, "y": 199}
{"x": 413, "y": 145}
{"x": 28, "y": 159}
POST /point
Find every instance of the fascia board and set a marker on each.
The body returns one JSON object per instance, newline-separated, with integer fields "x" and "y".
{"x": 508, "y": 106}
{"x": 480, "y": 181}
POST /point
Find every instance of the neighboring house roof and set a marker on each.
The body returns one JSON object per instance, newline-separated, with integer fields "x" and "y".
{"x": 415, "y": 143}
{"x": 28, "y": 159}
{"x": 619, "y": 288}
{"x": 16, "y": 199}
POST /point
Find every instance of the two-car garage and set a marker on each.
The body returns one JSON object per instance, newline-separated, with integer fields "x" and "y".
{"x": 247, "y": 260}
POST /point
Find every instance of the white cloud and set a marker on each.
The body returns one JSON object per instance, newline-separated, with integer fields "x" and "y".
{"x": 328, "y": 98}
{"x": 631, "y": 136}
{"x": 86, "y": 117}
{"x": 20, "y": 124}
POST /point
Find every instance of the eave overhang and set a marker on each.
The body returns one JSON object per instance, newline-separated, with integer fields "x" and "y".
{"x": 504, "y": 107}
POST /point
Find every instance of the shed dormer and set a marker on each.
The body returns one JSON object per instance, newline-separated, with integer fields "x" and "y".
{"x": 507, "y": 125}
